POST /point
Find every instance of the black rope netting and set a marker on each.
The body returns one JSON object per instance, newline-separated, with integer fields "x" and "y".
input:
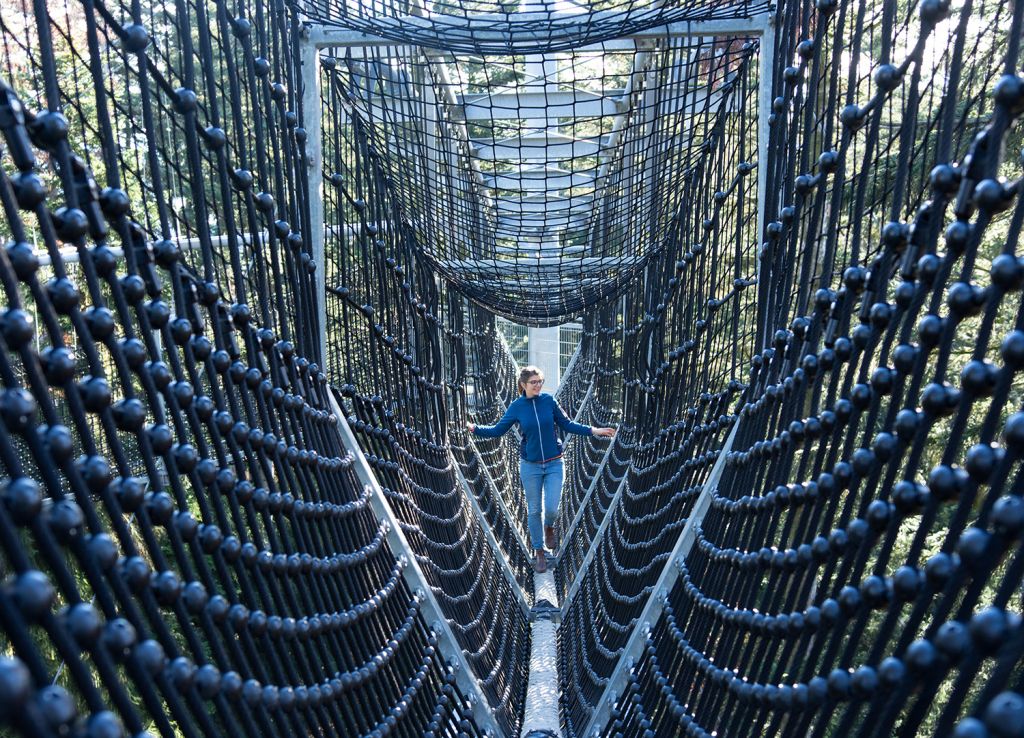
{"x": 521, "y": 174}
{"x": 188, "y": 546}
{"x": 237, "y": 491}
{"x": 398, "y": 351}
{"x": 514, "y": 26}
{"x": 857, "y": 570}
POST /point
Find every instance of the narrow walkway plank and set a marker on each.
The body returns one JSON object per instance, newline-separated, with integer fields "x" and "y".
{"x": 541, "y": 715}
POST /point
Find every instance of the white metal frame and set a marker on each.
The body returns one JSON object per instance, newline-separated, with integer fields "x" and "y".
{"x": 324, "y": 36}
{"x": 318, "y": 37}
{"x": 311, "y": 119}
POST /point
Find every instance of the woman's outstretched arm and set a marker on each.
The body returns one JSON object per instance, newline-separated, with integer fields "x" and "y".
{"x": 583, "y": 430}
{"x": 498, "y": 429}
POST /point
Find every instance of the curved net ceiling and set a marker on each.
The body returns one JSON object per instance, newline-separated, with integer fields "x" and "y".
{"x": 515, "y": 26}
{"x": 540, "y": 184}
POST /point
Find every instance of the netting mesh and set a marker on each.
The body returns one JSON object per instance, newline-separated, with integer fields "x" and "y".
{"x": 189, "y": 544}
{"x": 857, "y": 547}
{"x": 521, "y": 174}
{"x": 254, "y": 254}
{"x": 515, "y": 26}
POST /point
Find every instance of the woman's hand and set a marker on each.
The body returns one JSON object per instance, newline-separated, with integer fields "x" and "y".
{"x": 602, "y": 432}
{"x": 471, "y": 427}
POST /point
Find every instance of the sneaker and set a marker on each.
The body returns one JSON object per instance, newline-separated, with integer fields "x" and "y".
{"x": 549, "y": 537}
{"x": 541, "y": 564}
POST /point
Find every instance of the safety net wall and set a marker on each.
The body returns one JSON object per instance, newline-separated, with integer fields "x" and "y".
{"x": 398, "y": 342}
{"x": 857, "y": 568}
{"x": 680, "y": 359}
{"x": 520, "y": 174}
{"x": 254, "y": 257}
{"x": 190, "y": 544}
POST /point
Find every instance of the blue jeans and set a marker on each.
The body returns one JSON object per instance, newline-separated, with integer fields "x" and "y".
{"x": 538, "y": 477}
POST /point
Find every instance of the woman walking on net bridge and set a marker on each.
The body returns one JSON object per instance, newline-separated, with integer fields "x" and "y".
{"x": 540, "y": 464}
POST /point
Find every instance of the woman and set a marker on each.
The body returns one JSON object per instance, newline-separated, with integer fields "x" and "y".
{"x": 540, "y": 465}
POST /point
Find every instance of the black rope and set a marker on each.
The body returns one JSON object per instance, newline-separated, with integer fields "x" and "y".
{"x": 852, "y": 575}
{"x": 185, "y": 544}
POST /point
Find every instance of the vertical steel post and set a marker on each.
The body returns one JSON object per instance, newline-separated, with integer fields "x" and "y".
{"x": 311, "y": 120}
{"x": 766, "y": 73}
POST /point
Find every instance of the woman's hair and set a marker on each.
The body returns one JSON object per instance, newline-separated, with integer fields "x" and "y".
{"x": 524, "y": 375}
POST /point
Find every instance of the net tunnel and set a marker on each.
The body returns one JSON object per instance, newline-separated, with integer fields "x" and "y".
{"x": 257, "y": 260}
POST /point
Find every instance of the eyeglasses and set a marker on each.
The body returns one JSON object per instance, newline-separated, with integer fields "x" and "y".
{"x": 535, "y": 382}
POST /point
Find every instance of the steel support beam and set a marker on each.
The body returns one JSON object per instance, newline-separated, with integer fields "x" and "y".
{"x": 325, "y": 36}
{"x": 564, "y": 104}
{"x": 311, "y": 119}
{"x": 766, "y": 62}
{"x": 766, "y": 74}
{"x": 499, "y": 267}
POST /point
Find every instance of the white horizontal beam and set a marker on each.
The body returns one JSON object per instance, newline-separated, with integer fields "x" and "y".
{"x": 542, "y": 146}
{"x": 526, "y": 106}
{"x": 531, "y": 107}
{"x": 568, "y": 252}
{"x": 503, "y": 105}
{"x": 538, "y": 179}
{"x": 528, "y": 225}
{"x": 547, "y": 230}
{"x": 533, "y": 185}
{"x": 507, "y": 206}
{"x": 567, "y": 261}
{"x": 754, "y": 25}
{"x": 534, "y": 279}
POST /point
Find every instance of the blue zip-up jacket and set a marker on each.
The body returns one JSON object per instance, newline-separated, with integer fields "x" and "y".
{"x": 536, "y": 419}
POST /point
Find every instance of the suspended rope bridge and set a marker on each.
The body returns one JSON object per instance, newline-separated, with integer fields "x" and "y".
{"x": 256, "y": 255}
